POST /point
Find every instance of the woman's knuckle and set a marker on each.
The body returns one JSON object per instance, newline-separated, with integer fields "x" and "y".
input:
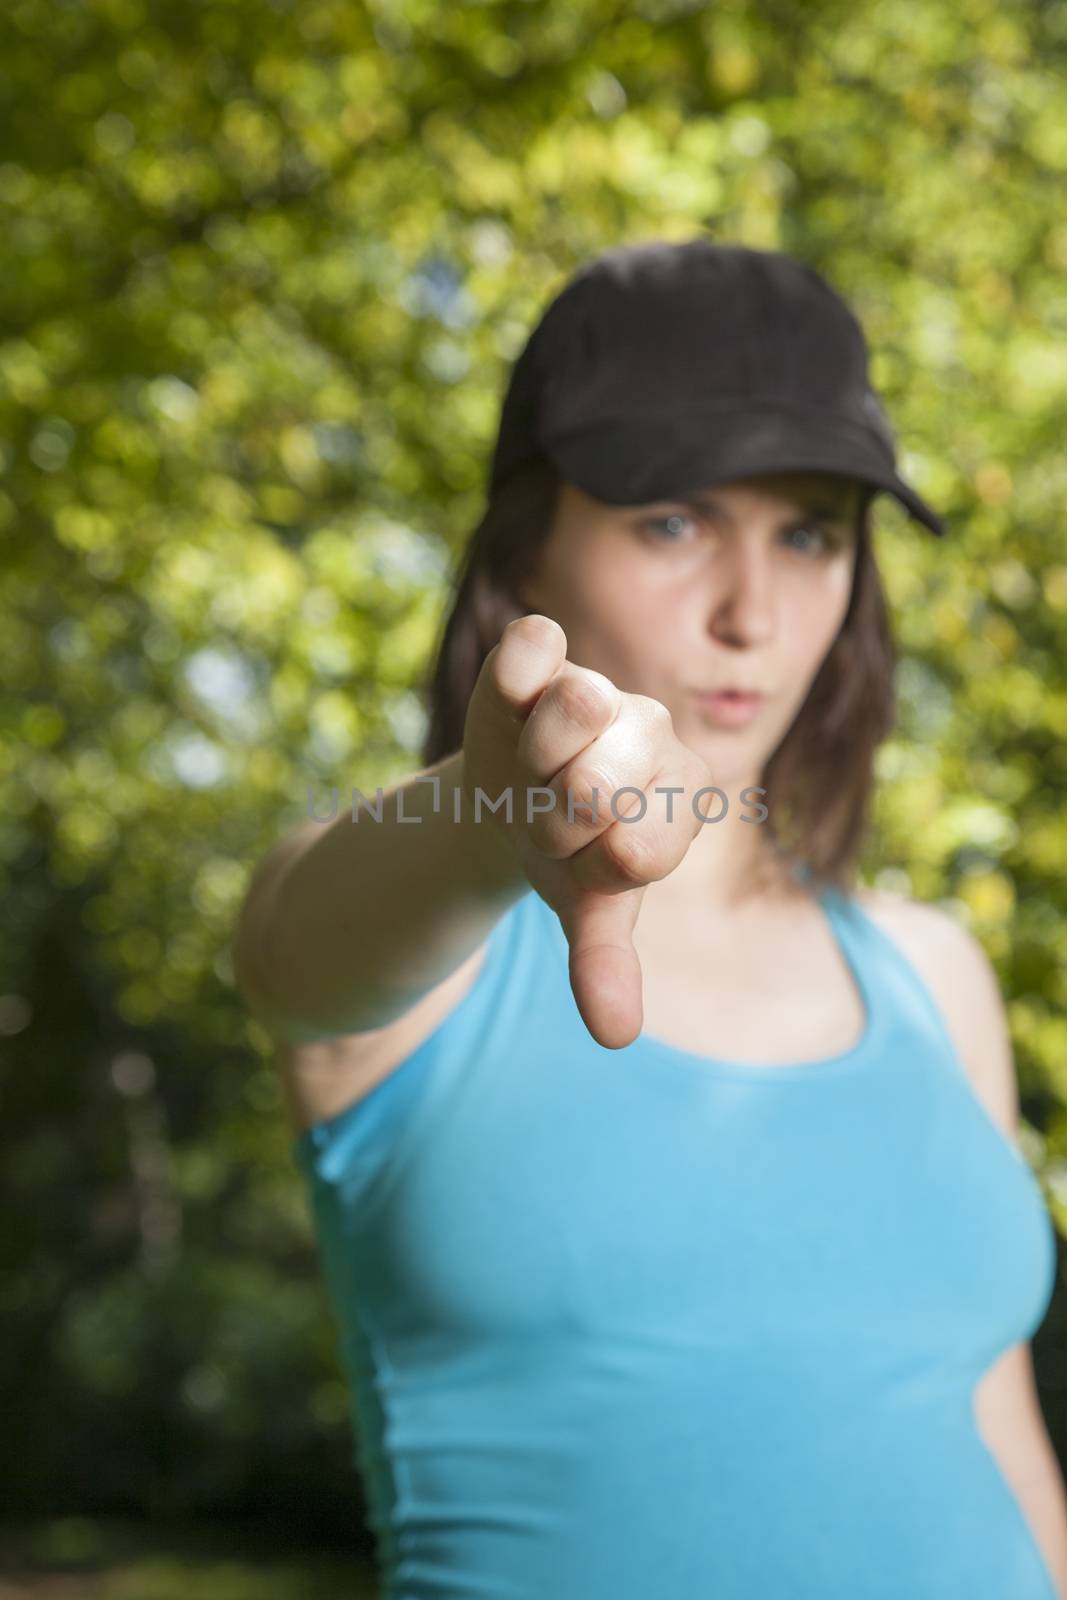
{"x": 532, "y": 626}
{"x": 654, "y": 710}
{"x": 544, "y": 835}
{"x": 627, "y": 852}
{"x": 580, "y": 700}
{"x": 585, "y": 786}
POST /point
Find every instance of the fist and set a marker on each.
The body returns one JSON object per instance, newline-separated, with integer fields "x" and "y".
{"x": 537, "y": 722}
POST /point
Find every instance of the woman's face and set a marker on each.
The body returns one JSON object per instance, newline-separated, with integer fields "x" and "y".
{"x": 743, "y": 585}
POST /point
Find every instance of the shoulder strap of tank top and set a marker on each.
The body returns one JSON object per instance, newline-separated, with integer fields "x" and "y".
{"x": 882, "y": 961}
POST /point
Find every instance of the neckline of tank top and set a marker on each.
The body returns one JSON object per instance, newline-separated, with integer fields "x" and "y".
{"x": 838, "y": 910}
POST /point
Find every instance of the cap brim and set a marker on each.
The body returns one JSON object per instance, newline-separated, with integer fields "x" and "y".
{"x": 635, "y": 460}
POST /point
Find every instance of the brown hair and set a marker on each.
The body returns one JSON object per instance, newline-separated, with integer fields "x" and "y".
{"x": 819, "y": 781}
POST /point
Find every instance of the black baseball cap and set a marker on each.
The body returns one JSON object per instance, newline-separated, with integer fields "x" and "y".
{"x": 666, "y": 366}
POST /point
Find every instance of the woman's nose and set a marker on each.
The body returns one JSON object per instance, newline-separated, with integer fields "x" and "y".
{"x": 741, "y": 604}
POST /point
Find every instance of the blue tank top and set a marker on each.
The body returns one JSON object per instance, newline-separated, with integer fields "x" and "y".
{"x": 641, "y": 1324}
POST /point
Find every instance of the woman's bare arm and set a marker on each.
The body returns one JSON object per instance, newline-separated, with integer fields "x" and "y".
{"x": 347, "y": 924}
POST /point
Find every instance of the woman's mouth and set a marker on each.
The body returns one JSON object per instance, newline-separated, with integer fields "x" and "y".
{"x": 730, "y": 708}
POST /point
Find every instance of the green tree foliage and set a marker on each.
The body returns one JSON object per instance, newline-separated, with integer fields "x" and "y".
{"x": 264, "y": 263}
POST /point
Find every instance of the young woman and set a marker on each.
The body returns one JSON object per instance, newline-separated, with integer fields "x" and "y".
{"x": 665, "y": 1179}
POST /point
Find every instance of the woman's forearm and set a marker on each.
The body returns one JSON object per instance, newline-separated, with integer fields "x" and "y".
{"x": 347, "y": 923}
{"x": 1042, "y": 1496}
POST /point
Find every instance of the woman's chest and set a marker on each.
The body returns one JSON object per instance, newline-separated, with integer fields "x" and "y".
{"x": 605, "y": 1197}
{"x": 779, "y": 1000}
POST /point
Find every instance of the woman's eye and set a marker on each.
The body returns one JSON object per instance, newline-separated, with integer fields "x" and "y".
{"x": 806, "y": 537}
{"x": 810, "y": 529}
{"x": 669, "y": 527}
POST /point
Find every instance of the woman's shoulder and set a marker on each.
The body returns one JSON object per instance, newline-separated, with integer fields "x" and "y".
{"x": 928, "y": 928}
{"x": 944, "y": 949}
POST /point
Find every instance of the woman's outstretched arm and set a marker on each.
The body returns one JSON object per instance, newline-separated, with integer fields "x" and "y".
{"x": 346, "y": 924}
